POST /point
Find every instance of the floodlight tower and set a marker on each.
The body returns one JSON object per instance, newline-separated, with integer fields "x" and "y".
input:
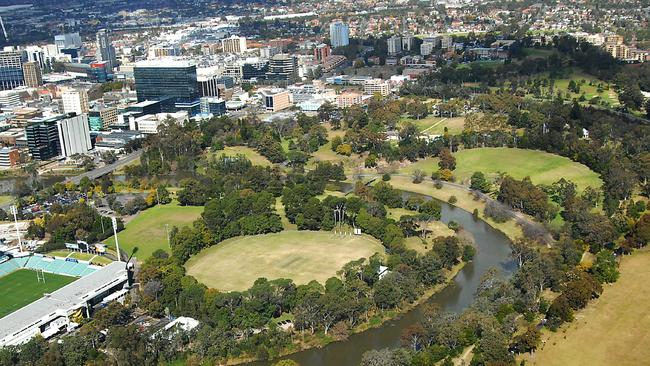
{"x": 117, "y": 243}
{"x": 14, "y": 211}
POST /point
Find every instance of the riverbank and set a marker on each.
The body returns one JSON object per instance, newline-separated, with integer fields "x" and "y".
{"x": 376, "y": 320}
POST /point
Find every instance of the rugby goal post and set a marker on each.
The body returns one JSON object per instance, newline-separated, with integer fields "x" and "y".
{"x": 40, "y": 276}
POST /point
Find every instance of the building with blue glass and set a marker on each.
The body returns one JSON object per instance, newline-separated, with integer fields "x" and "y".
{"x": 173, "y": 83}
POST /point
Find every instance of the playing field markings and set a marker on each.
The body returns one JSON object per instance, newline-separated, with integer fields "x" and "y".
{"x": 433, "y": 125}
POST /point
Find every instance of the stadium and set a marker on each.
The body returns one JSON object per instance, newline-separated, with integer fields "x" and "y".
{"x": 43, "y": 295}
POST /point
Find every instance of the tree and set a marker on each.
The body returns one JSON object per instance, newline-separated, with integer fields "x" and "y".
{"x": 413, "y": 337}
{"x": 447, "y": 160}
{"x": 605, "y": 267}
{"x": 417, "y": 110}
{"x": 527, "y": 341}
{"x": 479, "y": 183}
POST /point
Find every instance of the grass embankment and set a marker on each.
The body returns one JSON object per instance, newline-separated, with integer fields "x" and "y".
{"x": 435, "y": 228}
{"x": 612, "y": 330}
{"x": 147, "y": 230}
{"x": 540, "y": 166}
{"x": 303, "y": 256}
{"x": 21, "y": 287}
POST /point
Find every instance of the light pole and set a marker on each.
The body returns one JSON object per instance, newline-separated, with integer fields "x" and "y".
{"x": 167, "y": 232}
{"x": 14, "y": 211}
{"x": 117, "y": 243}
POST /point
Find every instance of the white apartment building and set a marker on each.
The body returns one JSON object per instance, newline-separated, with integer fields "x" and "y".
{"x": 376, "y": 86}
{"x": 75, "y": 100}
{"x": 149, "y": 123}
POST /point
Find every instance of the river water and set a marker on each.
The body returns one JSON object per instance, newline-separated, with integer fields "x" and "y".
{"x": 492, "y": 252}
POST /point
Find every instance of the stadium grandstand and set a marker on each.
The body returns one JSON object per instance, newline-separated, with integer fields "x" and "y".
{"x": 78, "y": 289}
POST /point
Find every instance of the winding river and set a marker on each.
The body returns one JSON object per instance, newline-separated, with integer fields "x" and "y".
{"x": 492, "y": 252}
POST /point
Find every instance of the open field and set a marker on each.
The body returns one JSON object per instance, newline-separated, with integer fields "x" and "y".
{"x": 20, "y": 288}
{"x": 5, "y": 200}
{"x": 302, "y": 256}
{"x": 147, "y": 230}
{"x": 465, "y": 201}
{"x": 436, "y": 125}
{"x": 541, "y": 167}
{"x": 96, "y": 259}
{"x": 252, "y": 155}
{"x": 612, "y": 330}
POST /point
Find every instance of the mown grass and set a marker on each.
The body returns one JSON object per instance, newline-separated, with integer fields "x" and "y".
{"x": 612, "y": 330}
{"x": 147, "y": 230}
{"x": 303, "y": 256}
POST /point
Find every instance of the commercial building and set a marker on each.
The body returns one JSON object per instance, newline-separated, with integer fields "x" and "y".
{"x": 105, "y": 49}
{"x": 283, "y": 67}
{"x": 339, "y": 34}
{"x": 254, "y": 69}
{"x": 322, "y": 51}
{"x": 276, "y": 99}
{"x": 173, "y": 83}
{"x": 9, "y": 157}
{"x": 101, "y": 118}
{"x": 149, "y": 124}
{"x": 62, "y": 135}
{"x": 11, "y": 68}
{"x": 394, "y": 45}
{"x": 426, "y": 48}
{"x": 32, "y": 74}
{"x": 67, "y": 41}
{"x": 163, "y": 50}
{"x": 74, "y": 135}
{"x": 234, "y": 44}
{"x": 75, "y": 101}
{"x": 213, "y": 106}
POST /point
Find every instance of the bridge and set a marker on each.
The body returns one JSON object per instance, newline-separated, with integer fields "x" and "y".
{"x": 99, "y": 172}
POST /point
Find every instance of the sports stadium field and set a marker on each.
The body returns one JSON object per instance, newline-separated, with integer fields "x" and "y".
{"x": 21, "y": 287}
{"x": 234, "y": 264}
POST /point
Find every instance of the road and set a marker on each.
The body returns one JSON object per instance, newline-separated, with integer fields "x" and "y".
{"x": 96, "y": 173}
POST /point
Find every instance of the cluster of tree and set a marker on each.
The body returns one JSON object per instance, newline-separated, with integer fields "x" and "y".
{"x": 70, "y": 223}
{"x": 526, "y": 197}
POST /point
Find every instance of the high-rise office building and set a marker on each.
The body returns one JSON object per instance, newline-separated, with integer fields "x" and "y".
{"x": 67, "y": 41}
{"x": 11, "y": 68}
{"x": 173, "y": 83}
{"x": 105, "y": 49}
{"x": 74, "y": 135}
{"x": 32, "y": 74}
{"x": 213, "y": 106}
{"x": 75, "y": 101}
{"x": 394, "y": 45}
{"x": 282, "y": 67}
{"x": 339, "y": 34}
{"x": 43, "y": 139}
{"x": 234, "y": 44}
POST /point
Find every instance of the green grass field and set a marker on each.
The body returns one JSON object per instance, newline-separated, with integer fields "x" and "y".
{"x": 147, "y": 230}
{"x": 436, "y": 125}
{"x": 541, "y": 167}
{"x": 302, "y": 256}
{"x": 20, "y": 288}
{"x": 611, "y": 330}
{"x": 249, "y": 153}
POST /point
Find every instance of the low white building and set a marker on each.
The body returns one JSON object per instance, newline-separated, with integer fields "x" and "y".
{"x": 149, "y": 123}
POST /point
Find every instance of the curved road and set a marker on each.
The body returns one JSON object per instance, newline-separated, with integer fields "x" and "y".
{"x": 99, "y": 172}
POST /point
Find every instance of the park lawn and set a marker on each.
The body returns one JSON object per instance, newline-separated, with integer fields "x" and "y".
{"x": 612, "y": 330}
{"x": 250, "y": 154}
{"x": 147, "y": 230}
{"x": 436, "y": 125}
{"x": 536, "y": 52}
{"x": 465, "y": 201}
{"x": 96, "y": 259}
{"x": 21, "y": 287}
{"x": 590, "y": 91}
{"x": 541, "y": 167}
{"x": 303, "y": 256}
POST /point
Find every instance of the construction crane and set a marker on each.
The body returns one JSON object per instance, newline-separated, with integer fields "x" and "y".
{"x": 4, "y": 30}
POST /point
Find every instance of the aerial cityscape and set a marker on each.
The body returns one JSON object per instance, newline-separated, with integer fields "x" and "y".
{"x": 325, "y": 183}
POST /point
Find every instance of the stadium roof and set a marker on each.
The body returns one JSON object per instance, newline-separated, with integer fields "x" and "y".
{"x": 66, "y": 297}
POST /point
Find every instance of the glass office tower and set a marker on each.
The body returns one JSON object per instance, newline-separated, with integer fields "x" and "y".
{"x": 173, "y": 83}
